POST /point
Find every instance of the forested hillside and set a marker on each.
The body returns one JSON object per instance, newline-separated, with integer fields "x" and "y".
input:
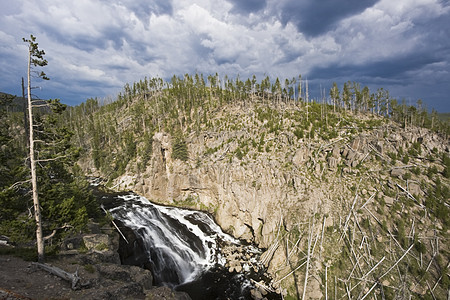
{"x": 66, "y": 202}
{"x": 348, "y": 194}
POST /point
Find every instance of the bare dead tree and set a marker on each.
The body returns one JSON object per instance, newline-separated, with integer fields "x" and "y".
{"x": 35, "y": 59}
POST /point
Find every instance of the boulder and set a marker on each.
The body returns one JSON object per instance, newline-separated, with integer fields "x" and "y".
{"x": 256, "y": 294}
{"x": 389, "y": 200}
{"x": 72, "y": 243}
{"x": 380, "y": 147}
{"x": 336, "y": 151}
{"x": 166, "y": 293}
{"x": 351, "y": 154}
{"x": 414, "y": 189}
{"x": 126, "y": 273}
{"x": 332, "y": 162}
{"x": 118, "y": 291}
{"x": 314, "y": 289}
{"x": 300, "y": 157}
{"x": 99, "y": 242}
{"x": 397, "y": 173}
{"x": 356, "y": 143}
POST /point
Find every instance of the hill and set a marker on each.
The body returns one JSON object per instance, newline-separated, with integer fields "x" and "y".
{"x": 444, "y": 117}
{"x": 349, "y": 196}
{"x": 12, "y": 103}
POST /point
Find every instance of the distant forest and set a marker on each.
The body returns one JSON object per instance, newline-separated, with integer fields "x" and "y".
{"x": 194, "y": 90}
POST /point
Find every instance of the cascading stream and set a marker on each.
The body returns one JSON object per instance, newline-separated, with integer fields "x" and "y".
{"x": 183, "y": 248}
{"x": 181, "y": 243}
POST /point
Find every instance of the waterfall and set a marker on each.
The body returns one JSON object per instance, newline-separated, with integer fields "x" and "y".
{"x": 181, "y": 243}
{"x": 184, "y": 248}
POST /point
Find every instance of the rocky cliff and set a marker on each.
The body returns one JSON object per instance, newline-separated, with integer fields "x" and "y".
{"x": 336, "y": 200}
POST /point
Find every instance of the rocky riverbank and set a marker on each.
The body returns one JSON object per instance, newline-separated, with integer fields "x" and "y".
{"x": 94, "y": 259}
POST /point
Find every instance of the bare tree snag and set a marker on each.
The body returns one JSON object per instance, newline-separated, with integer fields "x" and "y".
{"x": 393, "y": 266}
{"x": 35, "y": 58}
{"x": 308, "y": 258}
{"x": 73, "y": 278}
{"x": 117, "y": 227}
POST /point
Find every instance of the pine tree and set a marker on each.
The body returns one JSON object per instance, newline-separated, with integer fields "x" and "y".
{"x": 35, "y": 59}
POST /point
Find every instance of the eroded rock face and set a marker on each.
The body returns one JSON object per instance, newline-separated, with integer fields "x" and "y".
{"x": 248, "y": 201}
{"x": 254, "y": 199}
{"x": 127, "y": 273}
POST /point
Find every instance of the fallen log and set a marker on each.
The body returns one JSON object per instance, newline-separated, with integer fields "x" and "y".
{"x": 73, "y": 278}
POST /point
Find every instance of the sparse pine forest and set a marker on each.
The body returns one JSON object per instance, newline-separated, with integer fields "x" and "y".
{"x": 381, "y": 165}
{"x": 348, "y": 194}
{"x": 192, "y": 104}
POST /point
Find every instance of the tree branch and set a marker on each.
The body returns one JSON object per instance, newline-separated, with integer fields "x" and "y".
{"x": 51, "y": 159}
{"x": 16, "y": 184}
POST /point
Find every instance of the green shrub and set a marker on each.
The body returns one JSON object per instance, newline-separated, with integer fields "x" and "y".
{"x": 239, "y": 154}
{"x": 405, "y": 159}
{"x": 420, "y": 247}
{"x": 416, "y": 170}
{"x": 298, "y": 132}
{"x": 180, "y": 150}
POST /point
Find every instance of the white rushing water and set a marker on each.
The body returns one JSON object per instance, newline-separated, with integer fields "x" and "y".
{"x": 181, "y": 243}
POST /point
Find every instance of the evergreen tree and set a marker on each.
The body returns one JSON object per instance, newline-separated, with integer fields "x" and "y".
{"x": 65, "y": 198}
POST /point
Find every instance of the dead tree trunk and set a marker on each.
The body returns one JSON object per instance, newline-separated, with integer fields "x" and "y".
{"x": 37, "y": 208}
{"x": 73, "y": 278}
{"x": 35, "y": 59}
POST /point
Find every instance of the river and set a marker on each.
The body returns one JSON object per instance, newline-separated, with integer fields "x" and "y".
{"x": 186, "y": 250}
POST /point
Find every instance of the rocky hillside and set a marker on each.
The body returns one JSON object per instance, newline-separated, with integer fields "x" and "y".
{"x": 346, "y": 202}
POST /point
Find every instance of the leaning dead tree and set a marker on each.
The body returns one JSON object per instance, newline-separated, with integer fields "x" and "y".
{"x": 35, "y": 59}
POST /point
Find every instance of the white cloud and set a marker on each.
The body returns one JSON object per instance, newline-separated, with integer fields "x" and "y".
{"x": 110, "y": 43}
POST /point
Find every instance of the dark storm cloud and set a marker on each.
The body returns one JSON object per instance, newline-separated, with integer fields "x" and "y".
{"x": 95, "y": 47}
{"x": 394, "y": 68}
{"x": 85, "y": 42}
{"x": 245, "y": 7}
{"x": 316, "y": 17}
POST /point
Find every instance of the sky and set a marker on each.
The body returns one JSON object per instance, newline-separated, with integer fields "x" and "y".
{"x": 95, "y": 47}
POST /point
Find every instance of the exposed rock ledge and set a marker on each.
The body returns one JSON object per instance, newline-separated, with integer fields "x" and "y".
{"x": 98, "y": 266}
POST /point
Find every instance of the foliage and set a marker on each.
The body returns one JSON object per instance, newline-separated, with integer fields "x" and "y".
{"x": 245, "y": 123}
{"x": 180, "y": 150}
{"x": 63, "y": 191}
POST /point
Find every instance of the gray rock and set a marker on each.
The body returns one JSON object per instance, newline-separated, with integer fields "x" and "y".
{"x": 351, "y": 154}
{"x": 300, "y": 157}
{"x": 414, "y": 188}
{"x": 389, "y": 200}
{"x": 72, "y": 243}
{"x": 336, "y": 151}
{"x": 127, "y": 274}
{"x": 96, "y": 241}
{"x": 256, "y": 294}
{"x": 356, "y": 143}
{"x": 332, "y": 162}
{"x": 397, "y": 173}
{"x": 166, "y": 293}
{"x": 97, "y": 257}
{"x": 380, "y": 147}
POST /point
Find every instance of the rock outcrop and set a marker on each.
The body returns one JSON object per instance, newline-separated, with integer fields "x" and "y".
{"x": 269, "y": 188}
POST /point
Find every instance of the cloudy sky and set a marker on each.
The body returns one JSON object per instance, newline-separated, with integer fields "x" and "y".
{"x": 94, "y": 47}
